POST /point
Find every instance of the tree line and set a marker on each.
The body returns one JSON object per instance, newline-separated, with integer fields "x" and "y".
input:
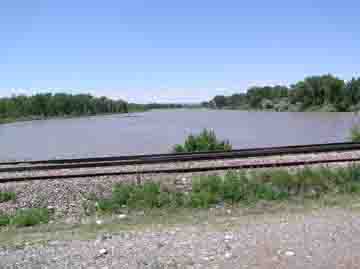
{"x": 59, "y": 104}
{"x": 317, "y": 93}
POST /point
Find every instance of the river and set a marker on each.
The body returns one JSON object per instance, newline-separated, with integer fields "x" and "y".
{"x": 158, "y": 130}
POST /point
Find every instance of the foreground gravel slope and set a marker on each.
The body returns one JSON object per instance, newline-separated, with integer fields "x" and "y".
{"x": 328, "y": 238}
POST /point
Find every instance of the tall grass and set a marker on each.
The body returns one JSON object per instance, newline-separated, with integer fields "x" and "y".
{"x": 238, "y": 187}
{"x": 205, "y": 141}
{"x": 7, "y": 196}
{"x": 26, "y": 217}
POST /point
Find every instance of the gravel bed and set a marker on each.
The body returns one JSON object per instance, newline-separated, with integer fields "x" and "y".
{"x": 318, "y": 240}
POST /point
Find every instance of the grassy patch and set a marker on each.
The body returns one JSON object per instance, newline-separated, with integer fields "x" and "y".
{"x": 238, "y": 187}
{"x": 148, "y": 195}
{"x": 4, "y": 220}
{"x": 7, "y": 196}
{"x": 205, "y": 141}
{"x": 26, "y": 217}
{"x": 30, "y": 217}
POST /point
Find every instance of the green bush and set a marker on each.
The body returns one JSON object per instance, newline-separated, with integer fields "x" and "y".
{"x": 4, "y": 220}
{"x": 234, "y": 187}
{"x": 122, "y": 193}
{"x": 148, "y": 195}
{"x": 205, "y": 141}
{"x": 203, "y": 199}
{"x": 107, "y": 205}
{"x": 7, "y": 196}
{"x": 30, "y": 217}
{"x": 355, "y": 134}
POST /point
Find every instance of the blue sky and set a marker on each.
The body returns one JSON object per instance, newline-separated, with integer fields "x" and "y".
{"x": 163, "y": 50}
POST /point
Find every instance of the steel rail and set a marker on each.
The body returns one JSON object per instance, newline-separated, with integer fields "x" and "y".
{"x": 191, "y": 157}
{"x": 179, "y": 170}
{"x": 349, "y": 145}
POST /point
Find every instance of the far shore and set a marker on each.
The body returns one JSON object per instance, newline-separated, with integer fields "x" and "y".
{"x": 38, "y": 118}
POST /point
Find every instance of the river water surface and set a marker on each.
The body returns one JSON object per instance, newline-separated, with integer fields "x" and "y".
{"x": 157, "y": 131}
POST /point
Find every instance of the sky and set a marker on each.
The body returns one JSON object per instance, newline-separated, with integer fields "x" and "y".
{"x": 173, "y": 51}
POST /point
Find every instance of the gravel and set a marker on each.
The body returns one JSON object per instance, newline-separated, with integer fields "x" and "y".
{"x": 328, "y": 238}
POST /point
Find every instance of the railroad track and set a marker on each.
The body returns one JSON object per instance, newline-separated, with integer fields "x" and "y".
{"x": 46, "y": 165}
{"x": 293, "y": 149}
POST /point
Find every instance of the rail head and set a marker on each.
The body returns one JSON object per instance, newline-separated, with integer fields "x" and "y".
{"x": 178, "y": 170}
{"x": 338, "y": 146}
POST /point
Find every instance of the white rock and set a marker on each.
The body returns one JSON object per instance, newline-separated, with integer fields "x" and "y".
{"x": 289, "y": 253}
{"x": 228, "y": 237}
{"x": 122, "y": 216}
{"x": 228, "y": 255}
{"x": 103, "y": 251}
{"x": 228, "y": 211}
{"x": 99, "y": 222}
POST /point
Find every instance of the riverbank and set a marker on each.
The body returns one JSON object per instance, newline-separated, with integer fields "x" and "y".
{"x": 286, "y": 108}
{"x": 130, "y": 111}
{"x": 38, "y": 118}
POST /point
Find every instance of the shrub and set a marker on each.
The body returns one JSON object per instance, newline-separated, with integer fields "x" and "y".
{"x": 234, "y": 186}
{"x": 355, "y": 133}
{"x": 7, "y": 196}
{"x": 148, "y": 195}
{"x": 205, "y": 141}
{"x": 30, "y": 217}
{"x": 122, "y": 193}
{"x": 4, "y": 220}
{"x": 107, "y": 205}
{"x": 202, "y": 199}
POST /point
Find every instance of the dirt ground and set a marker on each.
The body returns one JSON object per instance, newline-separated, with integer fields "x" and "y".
{"x": 276, "y": 236}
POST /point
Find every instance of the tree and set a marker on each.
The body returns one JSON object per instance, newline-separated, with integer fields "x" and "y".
{"x": 59, "y": 104}
{"x": 220, "y": 101}
{"x": 314, "y": 92}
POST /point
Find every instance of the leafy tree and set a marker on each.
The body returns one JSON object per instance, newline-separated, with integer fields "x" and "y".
{"x": 59, "y": 104}
{"x": 325, "y": 92}
{"x": 220, "y": 101}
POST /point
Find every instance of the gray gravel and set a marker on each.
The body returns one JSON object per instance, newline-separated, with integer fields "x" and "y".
{"x": 329, "y": 238}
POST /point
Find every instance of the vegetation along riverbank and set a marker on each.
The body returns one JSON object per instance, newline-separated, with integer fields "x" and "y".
{"x": 315, "y": 93}
{"x": 63, "y": 105}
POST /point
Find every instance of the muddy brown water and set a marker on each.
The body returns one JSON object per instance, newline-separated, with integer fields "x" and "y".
{"x": 157, "y": 131}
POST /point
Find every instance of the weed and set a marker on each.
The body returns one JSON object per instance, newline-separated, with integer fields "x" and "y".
{"x": 355, "y": 134}
{"x": 4, "y": 220}
{"x": 7, "y": 196}
{"x": 30, "y": 217}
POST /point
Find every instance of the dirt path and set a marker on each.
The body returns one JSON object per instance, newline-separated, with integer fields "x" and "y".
{"x": 322, "y": 238}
